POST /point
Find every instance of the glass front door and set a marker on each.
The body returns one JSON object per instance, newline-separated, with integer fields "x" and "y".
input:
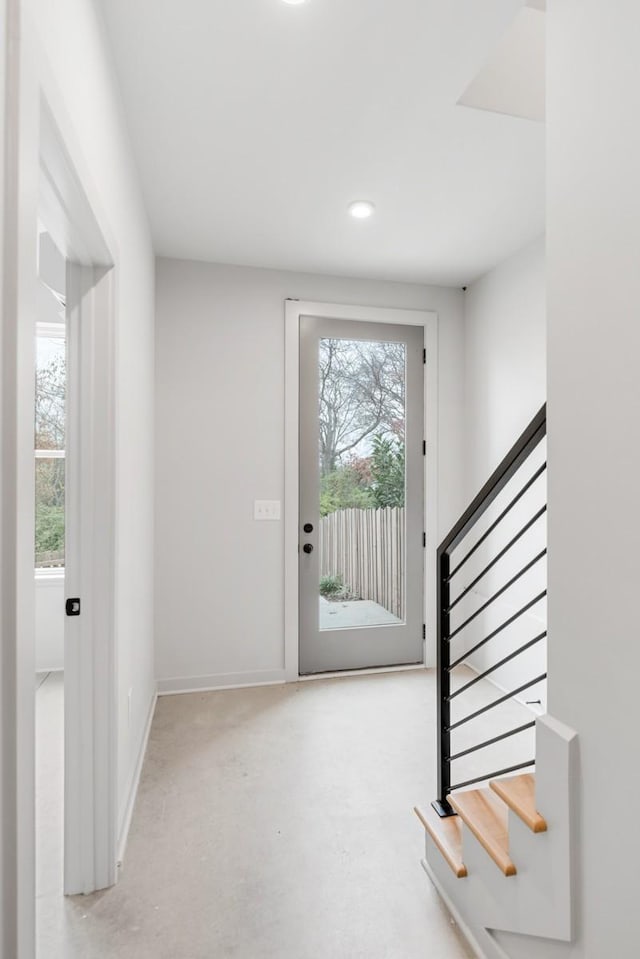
{"x": 361, "y": 494}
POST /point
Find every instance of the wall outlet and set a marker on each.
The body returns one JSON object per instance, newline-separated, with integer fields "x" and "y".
{"x": 266, "y": 509}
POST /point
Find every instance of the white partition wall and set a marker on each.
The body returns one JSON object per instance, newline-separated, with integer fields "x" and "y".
{"x": 593, "y": 246}
{"x": 54, "y": 45}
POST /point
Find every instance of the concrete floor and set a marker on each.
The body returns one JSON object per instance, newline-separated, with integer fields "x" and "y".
{"x": 271, "y": 823}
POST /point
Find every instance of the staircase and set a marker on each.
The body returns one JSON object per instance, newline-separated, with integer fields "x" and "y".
{"x": 501, "y": 853}
{"x": 487, "y": 817}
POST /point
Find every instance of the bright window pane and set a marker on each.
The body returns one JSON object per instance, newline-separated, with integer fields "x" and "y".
{"x": 49, "y": 513}
{"x": 362, "y": 483}
{"x": 49, "y": 429}
{"x": 50, "y": 392}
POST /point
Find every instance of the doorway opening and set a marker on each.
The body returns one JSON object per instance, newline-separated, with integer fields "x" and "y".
{"x": 360, "y": 487}
{"x": 73, "y": 365}
{"x": 50, "y": 429}
{"x": 361, "y": 495}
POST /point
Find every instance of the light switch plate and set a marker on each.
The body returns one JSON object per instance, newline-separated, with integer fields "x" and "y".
{"x": 266, "y": 509}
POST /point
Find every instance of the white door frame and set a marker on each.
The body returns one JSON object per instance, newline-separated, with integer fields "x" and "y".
{"x": 14, "y": 773}
{"x": 90, "y": 806}
{"x": 39, "y": 172}
{"x": 294, "y": 309}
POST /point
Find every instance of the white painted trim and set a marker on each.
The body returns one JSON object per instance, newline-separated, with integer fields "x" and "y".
{"x": 474, "y": 945}
{"x": 40, "y": 155}
{"x": 49, "y": 669}
{"x": 294, "y": 309}
{"x": 50, "y": 454}
{"x": 218, "y": 681}
{"x": 91, "y": 807}
{"x": 49, "y": 576}
{"x": 18, "y": 465}
{"x": 135, "y": 782}
{"x": 291, "y": 486}
{"x": 51, "y": 331}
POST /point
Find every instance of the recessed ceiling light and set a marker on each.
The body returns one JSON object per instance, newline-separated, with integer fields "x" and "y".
{"x": 361, "y": 209}
{"x": 293, "y": 2}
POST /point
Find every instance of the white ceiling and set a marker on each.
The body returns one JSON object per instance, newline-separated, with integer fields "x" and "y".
{"x": 513, "y": 79}
{"x": 255, "y": 123}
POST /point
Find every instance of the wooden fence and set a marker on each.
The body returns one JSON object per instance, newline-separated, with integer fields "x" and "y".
{"x": 366, "y": 548}
{"x": 50, "y": 558}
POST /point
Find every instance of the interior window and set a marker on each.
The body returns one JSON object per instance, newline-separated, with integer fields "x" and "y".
{"x": 50, "y": 412}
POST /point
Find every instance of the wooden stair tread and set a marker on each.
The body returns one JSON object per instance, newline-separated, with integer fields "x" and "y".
{"x": 487, "y": 818}
{"x": 519, "y": 793}
{"x": 447, "y": 835}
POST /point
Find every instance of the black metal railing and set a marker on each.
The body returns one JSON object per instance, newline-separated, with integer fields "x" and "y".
{"x": 449, "y": 578}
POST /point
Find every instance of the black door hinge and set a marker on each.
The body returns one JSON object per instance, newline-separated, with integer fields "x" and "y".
{"x": 424, "y": 447}
{"x": 72, "y": 607}
{"x": 424, "y": 356}
{"x": 424, "y": 539}
{"x": 424, "y": 631}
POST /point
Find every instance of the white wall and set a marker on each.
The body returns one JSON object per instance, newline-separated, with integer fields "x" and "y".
{"x": 505, "y": 383}
{"x": 593, "y": 283}
{"x": 49, "y": 622}
{"x": 62, "y": 52}
{"x": 505, "y": 359}
{"x": 75, "y": 46}
{"x": 220, "y": 445}
{"x": 8, "y": 925}
{"x": 593, "y": 248}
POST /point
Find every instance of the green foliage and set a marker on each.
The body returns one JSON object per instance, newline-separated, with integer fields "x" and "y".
{"x": 50, "y": 482}
{"x": 49, "y": 528}
{"x": 50, "y": 472}
{"x": 49, "y": 506}
{"x": 50, "y": 435}
{"x": 387, "y": 471}
{"x": 371, "y": 482}
{"x": 334, "y": 588}
{"x": 344, "y": 489}
{"x": 331, "y": 585}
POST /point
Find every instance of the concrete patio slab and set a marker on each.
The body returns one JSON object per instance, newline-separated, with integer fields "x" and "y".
{"x": 362, "y": 612}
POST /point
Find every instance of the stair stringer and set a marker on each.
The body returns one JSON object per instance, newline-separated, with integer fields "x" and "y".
{"x": 538, "y": 901}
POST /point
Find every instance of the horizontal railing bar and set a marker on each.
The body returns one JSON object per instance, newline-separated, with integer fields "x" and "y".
{"x": 503, "y": 589}
{"x": 502, "y": 662}
{"x": 496, "y": 559}
{"x": 499, "y": 629}
{"x": 497, "y": 702}
{"x": 490, "y": 742}
{"x": 502, "y": 515}
{"x": 498, "y": 772}
{"x": 519, "y": 452}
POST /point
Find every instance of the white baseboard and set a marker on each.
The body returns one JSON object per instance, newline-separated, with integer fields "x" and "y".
{"x": 462, "y": 925}
{"x": 135, "y": 782}
{"x": 217, "y": 681}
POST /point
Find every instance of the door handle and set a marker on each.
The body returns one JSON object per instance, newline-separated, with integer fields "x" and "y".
{"x": 307, "y": 548}
{"x": 72, "y": 607}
